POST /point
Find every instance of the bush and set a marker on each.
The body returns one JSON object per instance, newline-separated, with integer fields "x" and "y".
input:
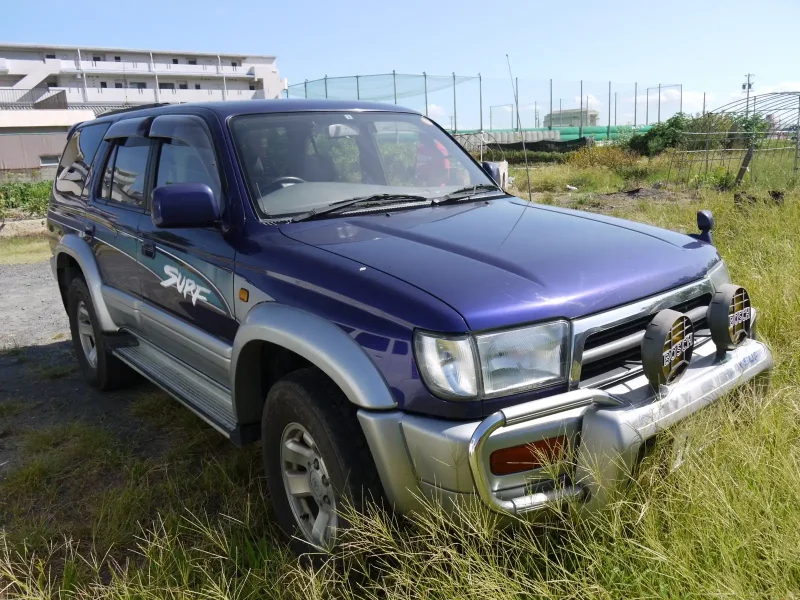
{"x": 612, "y": 157}
{"x": 24, "y": 197}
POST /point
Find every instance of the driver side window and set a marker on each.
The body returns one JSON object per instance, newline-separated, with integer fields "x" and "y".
{"x": 178, "y": 162}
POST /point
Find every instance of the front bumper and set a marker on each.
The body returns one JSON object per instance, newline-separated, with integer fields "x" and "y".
{"x": 444, "y": 459}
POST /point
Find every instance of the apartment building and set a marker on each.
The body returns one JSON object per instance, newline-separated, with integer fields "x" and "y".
{"x": 58, "y": 86}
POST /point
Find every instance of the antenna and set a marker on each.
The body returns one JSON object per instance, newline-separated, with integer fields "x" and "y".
{"x": 519, "y": 128}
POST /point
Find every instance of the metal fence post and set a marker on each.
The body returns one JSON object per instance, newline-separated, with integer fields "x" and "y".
{"x": 516, "y": 99}
{"x": 681, "y": 105}
{"x": 358, "y": 89}
{"x": 580, "y": 129}
{"x": 560, "y": 114}
{"x": 455, "y": 110}
{"x": 326, "y": 86}
{"x": 647, "y": 106}
{"x": 635, "y": 101}
{"x": 551, "y": 106}
{"x": 394, "y": 83}
{"x": 305, "y": 87}
{"x": 704, "y": 104}
{"x": 480, "y": 103}
{"x": 608, "y": 127}
{"x": 659, "y": 103}
{"x": 797, "y": 136}
{"x": 708, "y": 145}
{"x": 615, "y": 109}
{"x": 425, "y": 80}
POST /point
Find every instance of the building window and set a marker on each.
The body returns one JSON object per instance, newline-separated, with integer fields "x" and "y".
{"x": 174, "y": 61}
{"x": 96, "y": 58}
{"x": 138, "y": 85}
{"x": 166, "y": 86}
{"x": 183, "y": 86}
{"x": 103, "y": 85}
{"x": 197, "y": 86}
{"x": 48, "y": 160}
{"x": 191, "y": 61}
{"x": 49, "y": 55}
{"x": 252, "y": 87}
{"x": 117, "y": 59}
{"x": 234, "y": 63}
{"x": 117, "y": 85}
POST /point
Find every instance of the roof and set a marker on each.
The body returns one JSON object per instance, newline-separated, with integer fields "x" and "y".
{"x": 134, "y": 50}
{"x": 227, "y": 108}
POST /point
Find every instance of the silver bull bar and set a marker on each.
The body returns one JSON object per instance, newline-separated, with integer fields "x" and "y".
{"x": 613, "y": 428}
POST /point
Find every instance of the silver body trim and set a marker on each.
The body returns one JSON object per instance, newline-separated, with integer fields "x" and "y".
{"x": 323, "y": 344}
{"x": 79, "y": 249}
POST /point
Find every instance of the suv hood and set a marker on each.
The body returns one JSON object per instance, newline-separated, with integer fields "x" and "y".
{"x": 505, "y": 262}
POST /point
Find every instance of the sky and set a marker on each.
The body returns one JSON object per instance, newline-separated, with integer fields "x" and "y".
{"x": 705, "y": 45}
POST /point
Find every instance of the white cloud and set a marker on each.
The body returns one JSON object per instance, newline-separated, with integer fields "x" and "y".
{"x": 436, "y": 112}
{"x": 784, "y": 86}
{"x": 593, "y": 101}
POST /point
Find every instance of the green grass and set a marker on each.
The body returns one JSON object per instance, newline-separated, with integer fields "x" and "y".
{"x": 23, "y": 250}
{"x": 90, "y": 515}
{"x": 55, "y": 371}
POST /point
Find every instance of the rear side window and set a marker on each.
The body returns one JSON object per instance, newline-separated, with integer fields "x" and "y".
{"x": 124, "y": 175}
{"x": 73, "y": 170}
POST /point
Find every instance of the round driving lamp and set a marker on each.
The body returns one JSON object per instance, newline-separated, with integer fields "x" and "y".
{"x": 667, "y": 347}
{"x": 730, "y": 316}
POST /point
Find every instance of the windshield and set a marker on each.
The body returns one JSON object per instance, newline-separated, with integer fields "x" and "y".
{"x": 298, "y": 162}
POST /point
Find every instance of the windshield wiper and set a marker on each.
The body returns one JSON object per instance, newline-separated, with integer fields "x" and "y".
{"x": 468, "y": 192}
{"x": 373, "y": 200}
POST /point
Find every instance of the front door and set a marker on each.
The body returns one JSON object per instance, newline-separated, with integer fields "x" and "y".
{"x": 187, "y": 273}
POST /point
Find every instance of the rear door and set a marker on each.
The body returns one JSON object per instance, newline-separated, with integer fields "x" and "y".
{"x": 186, "y": 275}
{"x": 118, "y": 201}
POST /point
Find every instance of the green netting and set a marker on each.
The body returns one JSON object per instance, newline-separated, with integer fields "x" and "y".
{"x": 381, "y": 88}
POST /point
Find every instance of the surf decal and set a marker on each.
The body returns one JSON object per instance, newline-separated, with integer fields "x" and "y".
{"x": 185, "y": 285}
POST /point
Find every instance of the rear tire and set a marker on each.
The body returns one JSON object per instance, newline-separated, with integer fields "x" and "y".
{"x": 315, "y": 457}
{"x": 101, "y": 369}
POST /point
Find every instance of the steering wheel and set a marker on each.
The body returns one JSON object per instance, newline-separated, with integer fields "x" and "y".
{"x": 288, "y": 180}
{"x": 280, "y": 182}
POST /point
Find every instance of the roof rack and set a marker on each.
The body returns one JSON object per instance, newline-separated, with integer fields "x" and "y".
{"x": 117, "y": 111}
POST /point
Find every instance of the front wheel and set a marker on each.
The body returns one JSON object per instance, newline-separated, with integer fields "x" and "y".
{"x": 315, "y": 457}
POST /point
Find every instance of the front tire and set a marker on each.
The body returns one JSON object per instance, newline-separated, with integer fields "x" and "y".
{"x": 316, "y": 458}
{"x": 101, "y": 369}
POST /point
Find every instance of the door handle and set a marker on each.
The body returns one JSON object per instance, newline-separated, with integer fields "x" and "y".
{"x": 148, "y": 249}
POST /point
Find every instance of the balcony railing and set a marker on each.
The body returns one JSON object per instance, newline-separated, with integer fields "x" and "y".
{"x": 161, "y": 68}
{"x": 59, "y": 97}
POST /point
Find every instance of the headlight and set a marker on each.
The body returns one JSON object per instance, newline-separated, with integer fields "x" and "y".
{"x": 508, "y": 361}
{"x": 512, "y": 361}
{"x": 447, "y": 365}
{"x": 719, "y": 275}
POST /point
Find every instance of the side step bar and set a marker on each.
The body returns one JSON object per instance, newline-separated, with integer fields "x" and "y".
{"x": 206, "y": 398}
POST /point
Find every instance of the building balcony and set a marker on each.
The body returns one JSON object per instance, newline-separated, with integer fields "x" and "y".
{"x": 127, "y": 67}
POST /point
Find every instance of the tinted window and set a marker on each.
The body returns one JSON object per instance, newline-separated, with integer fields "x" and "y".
{"x": 123, "y": 178}
{"x": 179, "y": 162}
{"x": 77, "y": 158}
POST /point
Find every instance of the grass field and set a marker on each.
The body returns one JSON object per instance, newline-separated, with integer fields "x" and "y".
{"x": 88, "y": 517}
{"x": 23, "y": 250}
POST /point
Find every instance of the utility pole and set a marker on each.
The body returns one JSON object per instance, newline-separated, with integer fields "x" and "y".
{"x": 747, "y": 86}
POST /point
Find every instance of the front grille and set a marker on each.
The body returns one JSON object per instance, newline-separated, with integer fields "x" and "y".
{"x": 608, "y": 357}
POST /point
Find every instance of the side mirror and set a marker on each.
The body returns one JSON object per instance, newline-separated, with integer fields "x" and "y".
{"x": 184, "y": 205}
{"x": 705, "y": 223}
{"x": 492, "y": 170}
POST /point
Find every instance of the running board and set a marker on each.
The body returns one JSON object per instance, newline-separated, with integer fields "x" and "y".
{"x": 207, "y": 399}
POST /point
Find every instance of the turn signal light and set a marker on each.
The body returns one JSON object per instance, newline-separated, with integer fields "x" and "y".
{"x": 526, "y": 457}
